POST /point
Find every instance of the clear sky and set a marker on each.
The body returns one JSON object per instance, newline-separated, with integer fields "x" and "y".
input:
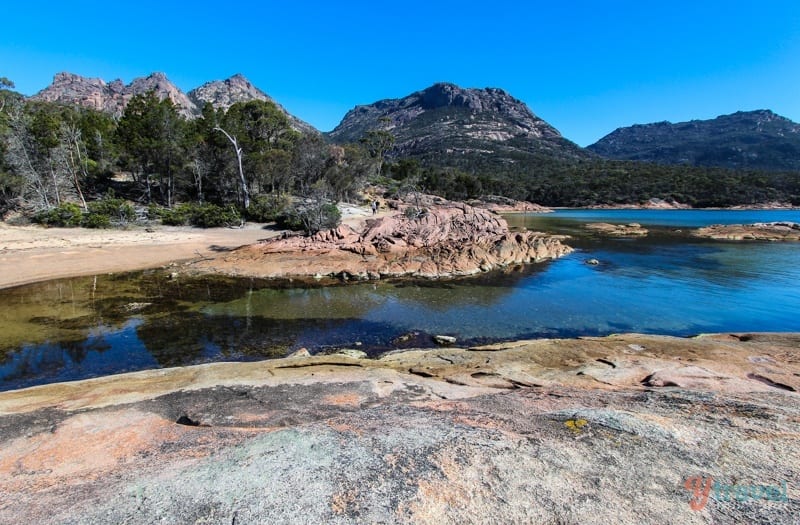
{"x": 586, "y": 67}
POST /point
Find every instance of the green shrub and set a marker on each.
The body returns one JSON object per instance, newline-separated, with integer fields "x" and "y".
{"x": 212, "y": 216}
{"x": 310, "y": 217}
{"x": 96, "y": 220}
{"x": 67, "y": 214}
{"x": 176, "y": 216}
{"x": 201, "y": 215}
{"x": 267, "y": 208}
{"x": 114, "y": 209}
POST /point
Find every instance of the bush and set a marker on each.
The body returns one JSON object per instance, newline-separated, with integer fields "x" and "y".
{"x": 267, "y": 208}
{"x": 67, "y": 214}
{"x": 114, "y": 209}
{"x": 212, "y": 216}
{"x": 201, "y": 215}
{"x": 96, "y": 220}
{"x": 310, "y": 217}
{"x": 177, "y": 216}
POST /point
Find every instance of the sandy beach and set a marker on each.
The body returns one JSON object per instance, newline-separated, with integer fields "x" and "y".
{"x": 33, "y": 253}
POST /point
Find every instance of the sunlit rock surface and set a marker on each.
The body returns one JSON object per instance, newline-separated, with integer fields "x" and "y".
{"x": 597, "y": 430}
{"x": 448, "y": 239}
{"x": 760, "y": 231}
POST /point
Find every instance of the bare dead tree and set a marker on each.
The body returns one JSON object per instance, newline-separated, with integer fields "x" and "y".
{"x": 238, "y": 149}
{"x": 76, "y": 163}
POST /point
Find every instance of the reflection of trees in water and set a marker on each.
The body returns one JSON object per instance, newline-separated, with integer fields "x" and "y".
{"x": 33, "y": 365}
{"x": 190, "y": 337}
{"x": 486, "y": 290}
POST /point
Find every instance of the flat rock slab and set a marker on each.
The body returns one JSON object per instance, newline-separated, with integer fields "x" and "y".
{"x": 548, "y": 431}
{"x": 765, "y": 231}
{"x": 617, "y": 230}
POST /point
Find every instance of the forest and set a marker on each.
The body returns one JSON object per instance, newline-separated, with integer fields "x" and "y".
{"x": 73, "y": 166}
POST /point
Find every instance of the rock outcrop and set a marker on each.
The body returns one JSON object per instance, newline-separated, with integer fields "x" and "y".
{"x": 597, "y": 430}
{"x": 617, "y": 230}
{"x": 222, "y": 94}
{"x": 760, "y": 231}
{"x": 95, "y": 93}
{"x": 448, "y": 239}
{"x": 112, "y": 97}
{"x": 500, "y": 204}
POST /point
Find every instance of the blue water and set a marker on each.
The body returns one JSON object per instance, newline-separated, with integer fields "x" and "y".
{"x": 666, "y": 283}
{"x": 676, "y": 218}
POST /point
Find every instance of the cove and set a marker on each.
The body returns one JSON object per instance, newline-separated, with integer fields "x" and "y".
{"x": 666, "y": 283}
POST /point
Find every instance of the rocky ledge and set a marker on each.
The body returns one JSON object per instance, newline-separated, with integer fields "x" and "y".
{"x": 617, "y": 230}
{"x": 627, "y": 429}
{"x": 448, "y": 239}
{"x": 500, "y": 204}
{"x": 760, "y": 231}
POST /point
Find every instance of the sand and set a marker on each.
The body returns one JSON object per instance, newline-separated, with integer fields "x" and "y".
{"x": 31, "y": 254}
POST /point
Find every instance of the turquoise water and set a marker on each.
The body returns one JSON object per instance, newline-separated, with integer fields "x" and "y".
{"x": 664, "y": 283}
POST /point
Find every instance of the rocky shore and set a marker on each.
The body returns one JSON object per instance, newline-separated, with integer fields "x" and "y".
{"x": 763, "y": 231}
{"x": 592, "y": 430}
{"x": 440, "y": 239}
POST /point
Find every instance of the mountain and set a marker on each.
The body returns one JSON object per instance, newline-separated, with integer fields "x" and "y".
{"x": 95, "y": 93}
{"x": 446, "y": 123}
{"x": 224, "y": 93}
{"x": 746, "y": 139}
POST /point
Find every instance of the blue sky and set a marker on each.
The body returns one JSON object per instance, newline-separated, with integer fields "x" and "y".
{"x": 585, "y": 67}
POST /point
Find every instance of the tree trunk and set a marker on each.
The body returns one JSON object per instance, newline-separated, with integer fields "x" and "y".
{"x": 245, "y": 190}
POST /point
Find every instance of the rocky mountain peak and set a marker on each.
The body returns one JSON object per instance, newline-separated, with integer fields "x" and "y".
{"x": 447, "y": 112}
{"x": 444, "y": 94}
{"x": 95, "y": 93}
{"x": 164, "y": 89}
{"x": 222, "y": 94}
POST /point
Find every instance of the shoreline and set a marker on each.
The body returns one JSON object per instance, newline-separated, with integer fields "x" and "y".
{"x": 549, "y": 430}
{"x": 542, "y": 430}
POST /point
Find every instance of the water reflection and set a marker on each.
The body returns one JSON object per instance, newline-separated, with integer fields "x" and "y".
{"x": 664, "y": 283}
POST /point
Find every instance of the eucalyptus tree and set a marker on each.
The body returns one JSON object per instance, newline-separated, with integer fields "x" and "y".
{"x": 149, "y": 135}
{"x": 263, "y": 139}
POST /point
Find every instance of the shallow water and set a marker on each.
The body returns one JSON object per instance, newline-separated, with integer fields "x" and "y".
{"x": 664, "y": 283}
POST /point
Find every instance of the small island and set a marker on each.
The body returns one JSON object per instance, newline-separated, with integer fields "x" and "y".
{"x": 769, "y": 231}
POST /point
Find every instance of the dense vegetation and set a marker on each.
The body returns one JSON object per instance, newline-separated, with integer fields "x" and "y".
{"x": 585, "y": 182}
{"x": 743, "y": 140}
{"x": 244, "y": 163}
{"x": 71, "y": 166}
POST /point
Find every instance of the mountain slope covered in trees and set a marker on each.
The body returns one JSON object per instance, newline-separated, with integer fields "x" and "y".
{"x": 65, "y": 149}
{"x": 743, "y": 140}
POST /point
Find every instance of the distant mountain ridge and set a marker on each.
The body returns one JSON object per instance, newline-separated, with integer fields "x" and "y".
{"x": 480, "y": 130}
{"x": 446, "y": 120}
{"x": 112, "y": 97}
{"x": 757, "y": 139}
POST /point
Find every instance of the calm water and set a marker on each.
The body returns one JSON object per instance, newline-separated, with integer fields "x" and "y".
{"x": 665, "y": 283}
